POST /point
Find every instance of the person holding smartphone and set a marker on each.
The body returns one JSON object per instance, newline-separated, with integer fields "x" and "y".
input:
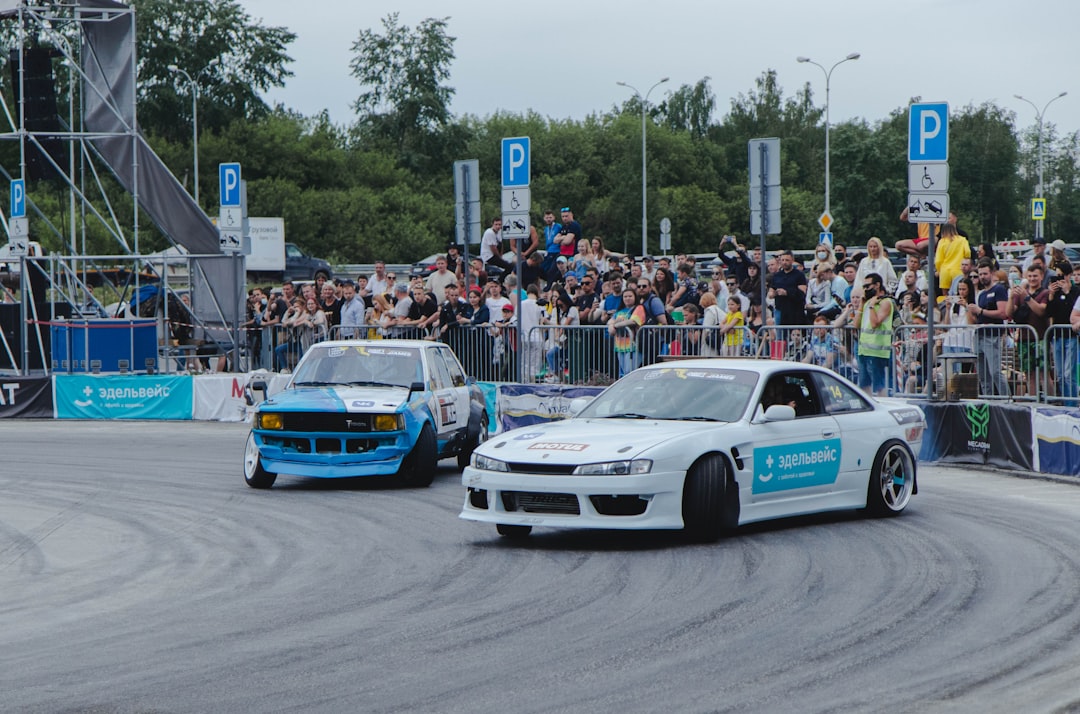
{"x": 1063, "y": 296}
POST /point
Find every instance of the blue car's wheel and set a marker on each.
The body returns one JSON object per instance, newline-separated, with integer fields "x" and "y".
{"x": 465, "y": 454}
{"x": 254, "y": 474}
{"x": 418, "y": 468}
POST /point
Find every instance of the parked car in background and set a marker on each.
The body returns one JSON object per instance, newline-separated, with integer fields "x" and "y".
{"x": 426, "y": 266}
{"x": 300, "y": 266}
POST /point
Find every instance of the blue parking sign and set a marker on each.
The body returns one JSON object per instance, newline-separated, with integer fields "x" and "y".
{"x": 229, "y": 184}
{"x": 18, "y": 199}
{"x": 515, "y": 161}
{"x": 928, "y": 132}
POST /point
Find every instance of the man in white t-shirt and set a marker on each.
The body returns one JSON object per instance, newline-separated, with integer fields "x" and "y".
{"x": 438, "y": 281}
{"x": 495, "y": 300}
{"x": 491, "y": 246}
{"x": 377, "y": 283}
{"x": 530, "y": 315}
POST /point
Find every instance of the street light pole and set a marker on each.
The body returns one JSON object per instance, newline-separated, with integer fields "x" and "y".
{"x": 194, "y": 115}
{"x": 644, "y": 168}
{"x": 828, "y": 77}
{"x": 1039, "y": 117}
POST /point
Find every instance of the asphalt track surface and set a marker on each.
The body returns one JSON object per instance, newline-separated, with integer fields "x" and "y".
{"x": 139, "y": 574}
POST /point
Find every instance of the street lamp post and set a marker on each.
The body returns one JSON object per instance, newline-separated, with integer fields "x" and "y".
{"x": 1039, "y": 117}
{"x": 194, "y": 114}
{"x": 828, "y": 77}
{"x": 644, "y": 169}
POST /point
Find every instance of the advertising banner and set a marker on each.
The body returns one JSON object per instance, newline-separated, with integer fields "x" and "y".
{"x": 528, "y": 404}
{"x": 1057, "y": 434}
{"x": 26, "y": 398}
{"x": 978, "y": 433}
{"x": 228, "y": 397}
{"x": 123, "y": 397}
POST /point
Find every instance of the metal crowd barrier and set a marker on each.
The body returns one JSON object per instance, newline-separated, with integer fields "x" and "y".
{"x": 1061, "y": 365}
{"x": 992, "y": 362}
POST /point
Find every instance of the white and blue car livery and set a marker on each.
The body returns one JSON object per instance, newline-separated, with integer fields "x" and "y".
{"x": 368, "y": 408}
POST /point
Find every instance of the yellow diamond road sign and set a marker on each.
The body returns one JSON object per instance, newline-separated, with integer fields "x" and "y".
{"x": 825, "y": 220}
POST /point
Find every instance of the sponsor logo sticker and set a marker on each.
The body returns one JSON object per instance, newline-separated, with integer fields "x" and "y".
{"x": 791, "y": 466}
{"x": 558, "y": 446}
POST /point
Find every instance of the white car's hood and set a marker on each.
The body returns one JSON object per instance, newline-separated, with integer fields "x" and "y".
{"x": 578, "y": 441}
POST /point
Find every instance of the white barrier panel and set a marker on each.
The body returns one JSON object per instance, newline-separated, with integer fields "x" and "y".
{"x": 228, "y": 397}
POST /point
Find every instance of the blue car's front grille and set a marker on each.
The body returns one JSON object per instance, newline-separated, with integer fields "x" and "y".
{"x": 328, "y": 422}
{"x": 325, "y": 445}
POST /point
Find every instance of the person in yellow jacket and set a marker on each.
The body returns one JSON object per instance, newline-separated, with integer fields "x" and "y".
{"x": 875, "y": 337}
{"x": 952, "y": 248}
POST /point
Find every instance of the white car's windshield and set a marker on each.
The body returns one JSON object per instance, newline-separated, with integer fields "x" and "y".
{"x": 701, "y": 394}
{"x": 359, "y": 366}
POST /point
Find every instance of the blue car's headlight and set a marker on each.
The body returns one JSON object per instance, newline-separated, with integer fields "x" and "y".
{"x": 615, "y": 468}
{"x": 485, "y": 463}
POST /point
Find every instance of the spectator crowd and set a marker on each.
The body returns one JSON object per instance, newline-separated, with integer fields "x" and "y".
{"x": 852, "y": 311}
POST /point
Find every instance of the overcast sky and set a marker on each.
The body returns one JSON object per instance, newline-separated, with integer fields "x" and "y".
{"x": 563, "y": 58}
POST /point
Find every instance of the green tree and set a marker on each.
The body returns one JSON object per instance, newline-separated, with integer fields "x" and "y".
{"x": 690, "y": 108}
{"x": 231, "y": 58}
{"x": 983, "y": 180}
{"x": 403, "y": 72}
{"x": 868, "y": 184}
{"x": 1063, "y": 214}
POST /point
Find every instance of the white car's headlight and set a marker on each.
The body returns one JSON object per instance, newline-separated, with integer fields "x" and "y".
{"x": 615, "y": 468}
{"x": 485, "y": 463}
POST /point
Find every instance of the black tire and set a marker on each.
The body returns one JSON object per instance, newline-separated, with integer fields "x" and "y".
{"x": 254, "y": 473}
{"x": 892, "y": 480}
{"x": 418, "y": 468}
{"x": 465, "y": 454}
{"x": 708, "y": 509}
{"x": 513, "y": 532}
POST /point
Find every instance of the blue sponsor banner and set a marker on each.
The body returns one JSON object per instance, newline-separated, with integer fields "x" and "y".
{"x": 791, "y": 466}
{"x": 123, "y": 397}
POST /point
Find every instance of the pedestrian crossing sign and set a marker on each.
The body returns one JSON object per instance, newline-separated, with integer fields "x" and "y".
{"x": 1038, "y": 209}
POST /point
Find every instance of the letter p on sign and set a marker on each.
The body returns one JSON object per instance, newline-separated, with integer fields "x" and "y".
{"x": 229, "y": 184}
{"x": 928, "y": 132}
{"x": 515, "y": 162}
{"x": 18, "y": 199}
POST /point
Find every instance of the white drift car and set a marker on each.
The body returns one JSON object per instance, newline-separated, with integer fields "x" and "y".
{"x": 703, "y": 445}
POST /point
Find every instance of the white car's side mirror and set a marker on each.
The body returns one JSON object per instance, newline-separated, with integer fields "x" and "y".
{"x": 779, "y": 412}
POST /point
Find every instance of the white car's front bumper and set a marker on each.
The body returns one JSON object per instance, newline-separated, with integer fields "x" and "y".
{"x": 642, "y": 501}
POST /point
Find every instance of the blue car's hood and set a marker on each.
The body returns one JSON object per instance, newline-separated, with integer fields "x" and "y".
{"x": 338, "y": 399}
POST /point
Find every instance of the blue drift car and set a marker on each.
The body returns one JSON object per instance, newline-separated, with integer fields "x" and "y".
{"x": 368, "y": 408}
